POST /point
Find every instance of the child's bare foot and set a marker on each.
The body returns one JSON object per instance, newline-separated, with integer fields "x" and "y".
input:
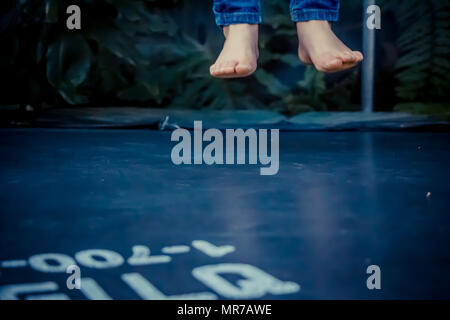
{"x": 239, "y": 54}
{"x": 319, "y": 45}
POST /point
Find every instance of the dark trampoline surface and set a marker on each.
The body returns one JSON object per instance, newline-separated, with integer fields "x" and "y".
{"x": 340, "y": 202}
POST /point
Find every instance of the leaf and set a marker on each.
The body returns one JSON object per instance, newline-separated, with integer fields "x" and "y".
{"x": 273, "y": 85}
{"x": 68, "y": 63}
{"x": 51, "y": 11}
{"x": 424, "y": 44}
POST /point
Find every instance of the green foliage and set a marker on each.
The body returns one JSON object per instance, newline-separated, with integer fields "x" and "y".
{"x": 423, "y": 67}
{"x": 438, "y": 109}
{"x": 143, "y": 52}
{"x": 157, "y": 53}
{"x": 68, "y": 63}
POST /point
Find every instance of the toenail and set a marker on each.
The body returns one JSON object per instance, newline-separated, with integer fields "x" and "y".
{"x": 333, "y": 63}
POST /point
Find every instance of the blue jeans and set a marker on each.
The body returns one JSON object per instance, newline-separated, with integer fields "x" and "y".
{"x": 249, "y": 11}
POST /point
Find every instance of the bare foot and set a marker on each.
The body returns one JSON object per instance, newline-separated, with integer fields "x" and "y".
{"x": 239, "y": 54}
{"x": 319, "y": 45}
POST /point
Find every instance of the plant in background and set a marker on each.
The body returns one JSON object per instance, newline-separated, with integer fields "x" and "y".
{"x": 423, "y": 68}
{"x": 78, "y": 66}
{"x": 153, "y": 53}
{"x": 140, "y": 52}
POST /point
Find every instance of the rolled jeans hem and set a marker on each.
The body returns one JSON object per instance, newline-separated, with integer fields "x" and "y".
{"x": 225, "y": 19}
{"x": 313, "y": 14}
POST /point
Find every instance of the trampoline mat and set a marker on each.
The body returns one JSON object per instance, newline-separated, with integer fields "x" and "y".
{"x": 341, "y": 201}
{"x": 153, "y": 118}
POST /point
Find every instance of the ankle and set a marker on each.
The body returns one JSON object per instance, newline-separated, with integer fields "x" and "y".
{"x": 313, "y": 24}
{"x": 240, "y": 29}
{"x": 243, "y": 27}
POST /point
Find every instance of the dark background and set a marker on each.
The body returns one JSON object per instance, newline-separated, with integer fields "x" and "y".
{"x": 157, "y": 53}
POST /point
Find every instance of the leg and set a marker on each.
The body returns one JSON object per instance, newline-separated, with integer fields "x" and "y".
{"x": 239, "y": 20}
{"x": 318, "y": 44}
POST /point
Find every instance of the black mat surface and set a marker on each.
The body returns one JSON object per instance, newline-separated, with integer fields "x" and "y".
{"x": 340, "y": 202}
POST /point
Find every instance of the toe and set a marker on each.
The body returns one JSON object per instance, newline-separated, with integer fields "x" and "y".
{"x": 213, "y": 70}
{"x": 328, "y": 66}
{"x": 244, "y": 69}
{"x": 223, "y": 69}
{"x": 359, "y": 56}
{"x": 228, "y": 68}
{"x": 333, "y": 65}
{"x": 348, "y": 57}
{"x": 219, "y": 68}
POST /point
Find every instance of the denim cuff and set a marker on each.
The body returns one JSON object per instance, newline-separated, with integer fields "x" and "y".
{"x": 314, "y": 14}
{"x": 225, "y": 19}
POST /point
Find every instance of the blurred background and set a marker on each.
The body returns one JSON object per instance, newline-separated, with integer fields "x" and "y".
{"x": 157, "y": 53}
